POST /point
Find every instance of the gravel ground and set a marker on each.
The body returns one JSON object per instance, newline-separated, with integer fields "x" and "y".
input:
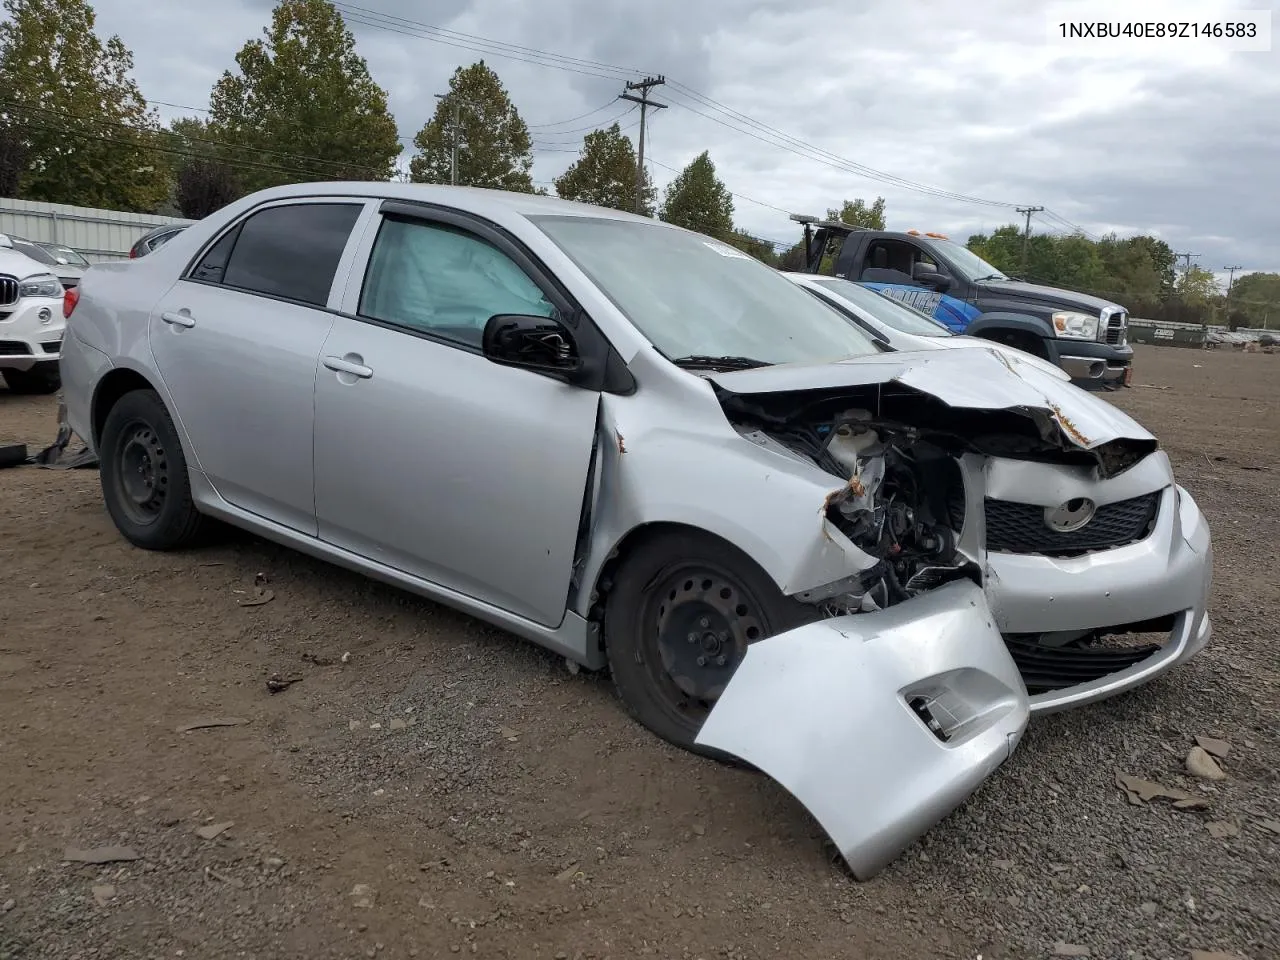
{"x": 445, "y": 790}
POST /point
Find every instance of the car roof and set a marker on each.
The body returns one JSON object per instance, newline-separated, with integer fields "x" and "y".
{"x": 474, "y": 199}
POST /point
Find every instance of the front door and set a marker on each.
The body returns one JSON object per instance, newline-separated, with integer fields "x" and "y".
{"x": 236, "y": 342}
{"x": 432, "y": 459}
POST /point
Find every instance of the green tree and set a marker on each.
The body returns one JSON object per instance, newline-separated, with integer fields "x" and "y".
{"x": 13, "y": 160}
{"x": 302, "y": 105}
{"x": 762, "y": 250}
{"x": 697, "y": 200}
{"x": 492, "y": 140}
{"x": 205, "y": 186}
{"x": 858, "y": 214}
{"x": 605, "y": 174}
{"x": 85, "y": 134}
{"x": 1197, "y": 286}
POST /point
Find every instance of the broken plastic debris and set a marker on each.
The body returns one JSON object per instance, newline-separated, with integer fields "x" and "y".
{"x": 212, "y": 722}
{"x": 1140, "y": 791}
{"x": 260, "y": 596}
{"x": 212, "y": 830}
{"x": 100, "y": 855}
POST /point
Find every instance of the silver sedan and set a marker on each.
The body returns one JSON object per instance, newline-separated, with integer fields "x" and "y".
{"x": 857, "y": 570}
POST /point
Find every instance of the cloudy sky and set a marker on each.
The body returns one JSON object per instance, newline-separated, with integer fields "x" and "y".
{"x": 955, "y": 112}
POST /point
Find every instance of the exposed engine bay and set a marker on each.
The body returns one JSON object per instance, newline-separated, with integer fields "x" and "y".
{"x": 893, "y": 507}
{"x": 898, "y": 451}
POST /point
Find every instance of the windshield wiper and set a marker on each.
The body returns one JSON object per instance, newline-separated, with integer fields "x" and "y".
{"x": 720, "y": 363}
{"x": 993, "y": 276}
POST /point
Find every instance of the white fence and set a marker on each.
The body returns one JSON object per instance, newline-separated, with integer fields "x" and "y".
{"x": 98, "y": 234}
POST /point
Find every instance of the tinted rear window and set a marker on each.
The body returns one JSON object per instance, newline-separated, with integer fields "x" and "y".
{"x": 291, "y": 251}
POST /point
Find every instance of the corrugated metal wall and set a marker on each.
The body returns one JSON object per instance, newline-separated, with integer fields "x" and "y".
{"x": 98, "y": 234}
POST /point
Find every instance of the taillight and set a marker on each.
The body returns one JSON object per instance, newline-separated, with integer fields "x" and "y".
{"x": 70, "y": 297}
{"x": 133, "y": 253}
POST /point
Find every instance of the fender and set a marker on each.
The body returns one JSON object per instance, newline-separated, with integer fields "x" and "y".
{"x": 998, "y": 321}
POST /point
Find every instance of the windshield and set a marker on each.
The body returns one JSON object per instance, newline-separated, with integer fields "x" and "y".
{"x": 692, "y": 296}
{"x": 971, "y": 266}
{"x": 66, "y": 253}
{"x": 34, "y": 251}
{"x": 890, "y": 312}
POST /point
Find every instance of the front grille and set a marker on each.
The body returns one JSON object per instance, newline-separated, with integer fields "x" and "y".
{"x": 13, "y": 348}
{"x": 1045, "y": 668}
{"x": 8, "y": 290}
{"x": 1117, "y": 324}
{"x": 1021, "y": 527}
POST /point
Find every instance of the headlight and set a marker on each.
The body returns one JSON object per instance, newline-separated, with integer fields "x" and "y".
{"x": 43, "y": 285}
{"x": 1075, "y": 326}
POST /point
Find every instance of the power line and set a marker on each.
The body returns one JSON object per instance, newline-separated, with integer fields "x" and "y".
{"x": 407, "y": 27}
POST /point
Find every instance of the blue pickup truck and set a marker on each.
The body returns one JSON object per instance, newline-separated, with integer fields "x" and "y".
{"x": 1085, "y": 336}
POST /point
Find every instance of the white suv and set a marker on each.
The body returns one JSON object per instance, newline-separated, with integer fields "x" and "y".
{"x": 31, "y": 323}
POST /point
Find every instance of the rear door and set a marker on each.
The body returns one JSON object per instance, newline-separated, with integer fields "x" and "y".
{"x": 236, "y": 342}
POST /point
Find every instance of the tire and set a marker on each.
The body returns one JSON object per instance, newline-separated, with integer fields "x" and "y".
{"x": 671, "y": 588}
{"x": 144, "y": 474}
{"x": 43, "y": 378}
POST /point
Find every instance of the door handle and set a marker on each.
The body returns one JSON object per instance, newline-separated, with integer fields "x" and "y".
{"x": 178, "y": 319}
{"x": 343, "y": 365}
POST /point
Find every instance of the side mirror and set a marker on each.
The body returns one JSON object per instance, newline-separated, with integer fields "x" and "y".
{"x": 540, "y": 344}
{"x": 935, "y": 281}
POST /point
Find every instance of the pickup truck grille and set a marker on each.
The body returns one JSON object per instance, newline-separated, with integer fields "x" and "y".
{"x": 1117, "y": 326}
{"x": 8, "y": 290}
{"x": 1021, "y": 528}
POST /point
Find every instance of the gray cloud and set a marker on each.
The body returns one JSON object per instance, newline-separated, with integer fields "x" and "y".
{"x": 970, "y": 98}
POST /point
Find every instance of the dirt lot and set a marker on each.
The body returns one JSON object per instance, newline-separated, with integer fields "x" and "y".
{"x": 447, "y": 790}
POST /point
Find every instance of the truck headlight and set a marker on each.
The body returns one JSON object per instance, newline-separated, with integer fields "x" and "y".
{"x": 41, "y": 285}
{"x": 1075, "y": 326}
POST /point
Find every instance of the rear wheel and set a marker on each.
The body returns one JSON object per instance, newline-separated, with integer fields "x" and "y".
{"x": 144, "y": 474}
{"x": 678, "y": 621}
{"x": 42, "y": 378}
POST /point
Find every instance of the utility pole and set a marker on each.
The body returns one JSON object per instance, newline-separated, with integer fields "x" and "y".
{"x": 1186, "y": 259}
{"x": 455, "y": 131}
{"x": 1231, "y": 276}
{"x": 643, "y": 86}
{"x": 1026, "y": 237}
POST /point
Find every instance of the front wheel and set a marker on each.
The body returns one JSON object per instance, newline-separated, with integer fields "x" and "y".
{"x": 144, "y": 474}
{"x": 42, "y": 378}
{"x": 677, "y": 624}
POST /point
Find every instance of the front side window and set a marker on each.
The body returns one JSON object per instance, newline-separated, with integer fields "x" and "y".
{"x": 291, "y": 251}
{"x": 439, "y": 280}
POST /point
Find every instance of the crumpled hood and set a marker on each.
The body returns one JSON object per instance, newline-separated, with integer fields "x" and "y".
{"x": 972, "y": 379}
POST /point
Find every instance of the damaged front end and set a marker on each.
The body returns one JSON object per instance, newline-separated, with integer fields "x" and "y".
{"x": 885, "y": 714}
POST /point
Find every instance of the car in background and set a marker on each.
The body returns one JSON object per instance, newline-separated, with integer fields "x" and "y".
{"x": 31, "y": 322}
{"x": 901, "y": 327}
{"x": 154, "y": 239}
{"x": 67, "y": 272}
{"x": 857, "y": 571}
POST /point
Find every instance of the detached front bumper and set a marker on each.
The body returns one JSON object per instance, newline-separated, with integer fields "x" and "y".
{"x": 30, "y": 333}
{"x": 1164, "y": 577}
{"x": 880, "y": 724}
